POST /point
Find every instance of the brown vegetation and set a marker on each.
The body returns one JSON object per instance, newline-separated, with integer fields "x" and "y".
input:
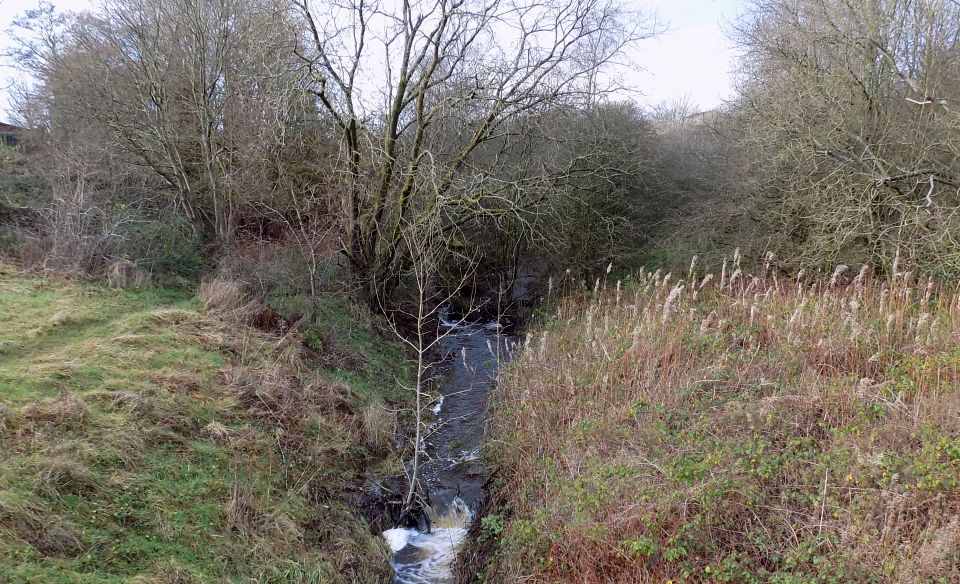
{"x": 733, "y": 427}
{"x": 166, "y": 127}
{"x": 841, "y": 145}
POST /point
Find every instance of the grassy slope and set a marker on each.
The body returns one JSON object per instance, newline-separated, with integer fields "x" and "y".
{"x": 140, "y": 438}
{"x": 762, "y": 430}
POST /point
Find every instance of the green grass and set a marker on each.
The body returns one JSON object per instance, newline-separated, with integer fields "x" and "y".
{"x": 362, "y": 355}
{"x": 143, "y": 440}
{"x": 75, "y": 337}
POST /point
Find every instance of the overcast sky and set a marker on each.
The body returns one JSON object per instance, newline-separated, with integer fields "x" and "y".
{"x": 692, "y": 59}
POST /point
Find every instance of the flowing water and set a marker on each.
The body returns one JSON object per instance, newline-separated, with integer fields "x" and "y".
{"x": 474, "y": 354}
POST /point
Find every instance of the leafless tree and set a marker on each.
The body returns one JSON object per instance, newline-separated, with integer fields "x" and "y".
{"x": 200, "y": 94}
{"x": 849, "y": 116}
{"x": 420, "y": 327}
{"x": 437, "y": 89}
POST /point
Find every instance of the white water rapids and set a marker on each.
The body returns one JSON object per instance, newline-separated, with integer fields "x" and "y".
{"x": 427, "y": 558}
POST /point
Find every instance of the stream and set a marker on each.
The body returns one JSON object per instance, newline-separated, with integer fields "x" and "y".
{"x": 473, "y": 354}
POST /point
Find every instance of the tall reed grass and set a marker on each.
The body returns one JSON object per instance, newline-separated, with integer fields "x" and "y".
{"x": 733, "y": 427}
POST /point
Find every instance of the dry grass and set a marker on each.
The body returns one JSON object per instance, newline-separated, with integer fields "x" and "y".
{"x": 732, "y": 427}
{"x": 167, "y": 572}
{"x": 225, "y": 297}
{"x": 59, "y": 475}
{"x": 125, "y": 274}
{"x": 379, "y": 426}
{"x": 30, "y": 522}
{"x": 246, "y": 515}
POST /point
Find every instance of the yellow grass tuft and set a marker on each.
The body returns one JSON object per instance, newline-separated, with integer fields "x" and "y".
{"x": 32, "y": 523}
{"x": 126, "y": 274}
{"x": 379, "y": 426}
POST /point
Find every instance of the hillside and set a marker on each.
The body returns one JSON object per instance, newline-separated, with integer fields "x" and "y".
{"x": 144, "y": 440}
{"x": 731, "y": 429}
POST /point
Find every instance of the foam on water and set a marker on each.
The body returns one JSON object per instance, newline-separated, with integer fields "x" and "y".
{"x": 398, "y": 537}
{"x": 427, "y": 558}
{"x": 436, "y": 407}
{"x": 473, "y": 352}
{"x": 444, "y": 316}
